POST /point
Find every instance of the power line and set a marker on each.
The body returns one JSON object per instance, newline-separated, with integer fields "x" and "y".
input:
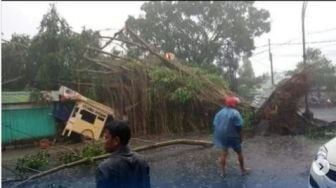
{"x": 322, "y": 31}
{"x": 298, "y": 43}
{"x": 260, "y": 52}
{"x": 297, "y": 38}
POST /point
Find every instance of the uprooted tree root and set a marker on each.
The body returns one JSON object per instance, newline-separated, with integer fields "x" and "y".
{"x": 281, "y": 108}
{"x": 100, "y": 157}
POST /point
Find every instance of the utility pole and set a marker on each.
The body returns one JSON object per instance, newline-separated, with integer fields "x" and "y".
{"x": 307, "y": 113}
{"x": 271, "y": 60}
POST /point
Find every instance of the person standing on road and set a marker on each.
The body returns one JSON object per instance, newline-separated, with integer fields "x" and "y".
{"x": 228, "y": 134}
{"x": 124, "y": 168}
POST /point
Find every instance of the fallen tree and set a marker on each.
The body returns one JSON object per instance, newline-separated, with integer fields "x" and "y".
{"x": 156, "y": 94}
{"x": 279, "y": 113}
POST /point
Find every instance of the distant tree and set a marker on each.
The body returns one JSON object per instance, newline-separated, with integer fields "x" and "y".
{"x": 77, "y": 47}
{"x": 196, "y": 31}
{"x": 246, "y": 73}
{"x": 261, "y": 79}
{"x": 324, "y": 73}
{"x": 51, "y": 51}
{"x": 52, "y": 57}
{"x": 16, "y": 63}
{"x": 58, "y": 52}
{"x": 247, "y": 80}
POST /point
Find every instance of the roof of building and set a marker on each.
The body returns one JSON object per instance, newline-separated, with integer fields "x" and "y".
{"x": 19, "y": 97}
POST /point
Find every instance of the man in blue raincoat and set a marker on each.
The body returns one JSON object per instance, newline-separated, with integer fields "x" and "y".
{"x": 228, "y": 134}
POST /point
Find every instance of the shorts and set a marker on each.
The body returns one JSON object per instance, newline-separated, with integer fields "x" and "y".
{"x": 227, "y": 143}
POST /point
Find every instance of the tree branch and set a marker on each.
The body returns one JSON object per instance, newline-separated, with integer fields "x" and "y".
{"x": 107, "y": 53}
{"x": 93, "y": 71}
{"x": 12, "y": 80}
{"x": 112, "y": 38}
{"x": 165, "y": 61}
{"x": 126, "y": 41}
{"x": 141, "y": 148}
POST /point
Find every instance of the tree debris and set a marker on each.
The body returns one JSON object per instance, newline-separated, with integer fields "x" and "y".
{"x": 141, "y": 148}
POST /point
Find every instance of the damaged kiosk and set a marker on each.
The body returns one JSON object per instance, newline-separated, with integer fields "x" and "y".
{"x": 88, "y": 117}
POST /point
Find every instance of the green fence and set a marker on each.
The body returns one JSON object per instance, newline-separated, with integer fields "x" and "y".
{"x": 23, "y": 124}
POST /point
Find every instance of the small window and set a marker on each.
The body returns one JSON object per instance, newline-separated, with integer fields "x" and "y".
{"x": 101, "y": 118}
{"x": 88, "y": 116}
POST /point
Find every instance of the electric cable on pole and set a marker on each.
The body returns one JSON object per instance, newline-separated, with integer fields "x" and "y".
{"x": 271, "y": 60}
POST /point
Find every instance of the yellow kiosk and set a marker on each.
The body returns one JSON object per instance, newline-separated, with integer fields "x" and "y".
{"x": 88, "y": 117}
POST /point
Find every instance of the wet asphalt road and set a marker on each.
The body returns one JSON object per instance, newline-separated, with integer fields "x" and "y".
{"x": 277, "y": 161}
{"x": 326, "y": 114}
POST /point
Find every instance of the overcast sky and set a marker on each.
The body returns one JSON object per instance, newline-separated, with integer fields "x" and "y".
{"x": 24, "y": 17}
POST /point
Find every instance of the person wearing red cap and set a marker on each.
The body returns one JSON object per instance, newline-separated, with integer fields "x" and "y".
{"x": 227, "y": 126}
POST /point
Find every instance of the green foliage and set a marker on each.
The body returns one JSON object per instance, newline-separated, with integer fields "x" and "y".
{"x": 217, "y": 80}
{"x": 212, "y": 72}
{"x": 327, "y": 132}
{"x": 176, "y": 87}
{"x": 166, "y": 82}
{"x": 36, "y": 161}
{"x": 52, "y": 57}
{"x": 181, "y": 95}
{"x": 246, "y": 73}
{"x": 248, "y": 117}
{"x": 207, "y": 69}
{"x": 247, "y": 81}
{"x": 203, "y": 32}
{"x": 16, "y": 63}
{"x": 324, "y": 73}
{"x": 36, "y": 96}
{"x": 163, "y": 78}
{"x": 68, "y": 158}
{"x": 91, "y": 150}
{"x": 50, "y": 50}
{"x": 91, "y": 93}
{"x": 180, "y": 88}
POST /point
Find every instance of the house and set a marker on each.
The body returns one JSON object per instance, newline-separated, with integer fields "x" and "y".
{"x": 23, "y": 119}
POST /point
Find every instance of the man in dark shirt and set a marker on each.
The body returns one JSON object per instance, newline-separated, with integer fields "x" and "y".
{"x": 124, "y": 168}
{"x": 227, "y": 133}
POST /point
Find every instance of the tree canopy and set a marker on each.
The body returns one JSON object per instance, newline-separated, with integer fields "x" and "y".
{"x": 324, "y": 73}
{"x": 16, "y": 62}
{"x": 200, "y": 31}
{"x": 52, "y": 57}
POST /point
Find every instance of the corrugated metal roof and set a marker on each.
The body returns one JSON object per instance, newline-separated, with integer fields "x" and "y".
{"x": 11, "y": 97}
{"x": 17, "y": 97}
